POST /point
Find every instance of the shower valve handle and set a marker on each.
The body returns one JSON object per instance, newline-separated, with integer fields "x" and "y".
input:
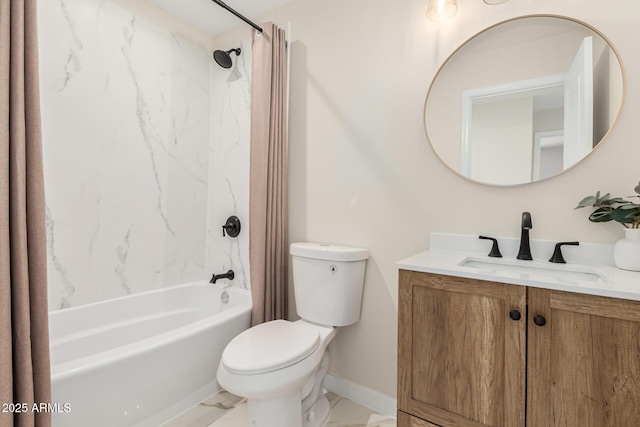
{"x": 232, "y": 227}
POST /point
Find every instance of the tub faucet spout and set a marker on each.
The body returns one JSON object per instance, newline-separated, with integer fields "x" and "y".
{"x": 228, "y": 275}
{"x": 525, "y": 247}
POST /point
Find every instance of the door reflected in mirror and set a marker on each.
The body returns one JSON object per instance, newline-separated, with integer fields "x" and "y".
{"x": 524, "y": 100}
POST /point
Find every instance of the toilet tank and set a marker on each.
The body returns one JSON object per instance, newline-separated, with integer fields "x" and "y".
{"x": 328, "y": 282}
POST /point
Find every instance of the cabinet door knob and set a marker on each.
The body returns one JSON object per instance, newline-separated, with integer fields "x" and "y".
{"x": 514, "y": 315}
{"x": 539, "y": 320}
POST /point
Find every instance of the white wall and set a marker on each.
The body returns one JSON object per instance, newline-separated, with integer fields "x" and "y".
{"x": 362, "y": 172}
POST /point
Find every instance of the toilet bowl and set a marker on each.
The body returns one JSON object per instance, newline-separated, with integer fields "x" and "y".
{"x": 279, "y": 365}
{"x": 278, "y": 377}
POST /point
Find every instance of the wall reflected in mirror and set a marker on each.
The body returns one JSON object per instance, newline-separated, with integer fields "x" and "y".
{"x": 524, "y": 100}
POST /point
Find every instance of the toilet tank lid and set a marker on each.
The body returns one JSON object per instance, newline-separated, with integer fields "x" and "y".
{"x": 328, "y": 252}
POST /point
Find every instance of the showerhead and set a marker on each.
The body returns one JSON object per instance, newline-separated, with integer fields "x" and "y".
{"x": 224, "y": 58}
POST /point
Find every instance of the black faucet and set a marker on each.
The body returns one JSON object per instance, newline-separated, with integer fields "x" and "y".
{"x": 525, "y": 247}
{"x": 228, "y": 275}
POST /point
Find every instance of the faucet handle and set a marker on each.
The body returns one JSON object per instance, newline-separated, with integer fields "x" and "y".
{"x": 557, "y": 253}
{"x": 232, "y": 227}
{"x": 495, "y": 250}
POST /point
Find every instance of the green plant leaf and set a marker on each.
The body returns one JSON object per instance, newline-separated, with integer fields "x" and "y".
{"x": 602, "y": 199}
{"x": 617, "y": 209}
{"x": 624, "y": 216}
{"x": 629, "y": 206}
{"x": 588, "y": 201}
{"x": 615, "y": 200}
{"x": 601, "y": 215}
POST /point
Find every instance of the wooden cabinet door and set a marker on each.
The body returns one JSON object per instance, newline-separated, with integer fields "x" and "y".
{"x": 584, "y": 362}
{"x": 406, "y": 420}
{"x": 461, "y": 358}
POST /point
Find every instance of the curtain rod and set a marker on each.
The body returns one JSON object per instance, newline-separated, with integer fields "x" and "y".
{"x": 224, "y": 6}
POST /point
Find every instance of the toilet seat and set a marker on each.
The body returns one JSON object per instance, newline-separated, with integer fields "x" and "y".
{"x": 269, "y": 347}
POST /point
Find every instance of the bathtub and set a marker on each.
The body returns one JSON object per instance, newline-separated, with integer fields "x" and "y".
{"x": 142, "y": 359}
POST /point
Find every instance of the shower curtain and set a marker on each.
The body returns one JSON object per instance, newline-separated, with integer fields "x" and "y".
{"x": 268, "y": 178}
{"x": 24, "y": 336}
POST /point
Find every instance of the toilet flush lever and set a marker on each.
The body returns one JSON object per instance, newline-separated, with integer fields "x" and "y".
{"x": 231, "y": 227}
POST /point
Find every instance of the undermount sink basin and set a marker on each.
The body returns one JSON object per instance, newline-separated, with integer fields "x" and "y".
{"x": 533, "y": 269}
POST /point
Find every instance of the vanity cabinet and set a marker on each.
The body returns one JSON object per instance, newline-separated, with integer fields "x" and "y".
{"x": 461, "y": 358}
{"x": 480, "y": 353}
{"x": 584, "y": 364}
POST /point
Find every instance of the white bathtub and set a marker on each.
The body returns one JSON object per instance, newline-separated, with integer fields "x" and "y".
{"x": 141, "y": 359}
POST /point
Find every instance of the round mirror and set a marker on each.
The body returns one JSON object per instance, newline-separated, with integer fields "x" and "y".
{"x": 524, "y": 100}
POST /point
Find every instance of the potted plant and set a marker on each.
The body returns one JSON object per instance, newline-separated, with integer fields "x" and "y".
{"x": 624, "y": 211}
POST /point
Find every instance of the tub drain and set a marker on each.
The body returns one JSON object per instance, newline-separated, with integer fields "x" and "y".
{"x": 224, "y": 297}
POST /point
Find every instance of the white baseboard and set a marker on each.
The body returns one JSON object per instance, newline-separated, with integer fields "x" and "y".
{"x": 362, "y": 395}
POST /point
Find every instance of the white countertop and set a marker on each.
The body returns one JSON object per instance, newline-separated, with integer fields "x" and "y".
{"x": 589, "y": 268}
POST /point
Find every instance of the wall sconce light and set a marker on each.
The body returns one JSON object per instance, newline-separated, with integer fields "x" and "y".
{"x": 439, "y": 10}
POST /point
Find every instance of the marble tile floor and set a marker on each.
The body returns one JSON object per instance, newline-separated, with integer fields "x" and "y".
{"x": 226, "y": 410}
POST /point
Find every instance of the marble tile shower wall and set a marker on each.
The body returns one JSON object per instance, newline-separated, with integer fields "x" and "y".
{"x": 229, "y": 165}
{"x": 131, "y": 147}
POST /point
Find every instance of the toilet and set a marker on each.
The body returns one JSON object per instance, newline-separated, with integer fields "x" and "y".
{"x": 279, "y": 365}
